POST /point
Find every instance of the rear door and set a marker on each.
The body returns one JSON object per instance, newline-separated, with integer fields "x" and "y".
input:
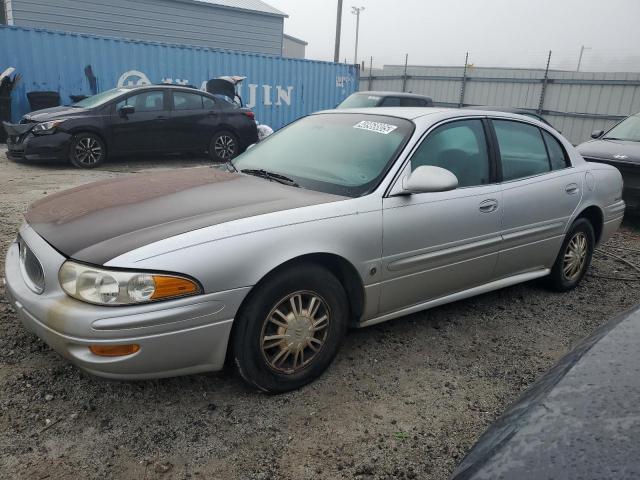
{"x": 540, "y": 192}
{"x": 143, "y": 130}
{"x": 190, "y": 121}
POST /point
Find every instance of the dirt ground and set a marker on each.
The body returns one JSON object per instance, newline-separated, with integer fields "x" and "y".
{"x": 404, "y": 399}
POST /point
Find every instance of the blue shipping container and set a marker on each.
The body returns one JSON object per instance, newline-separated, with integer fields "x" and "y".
{"x": 278, "y": 89}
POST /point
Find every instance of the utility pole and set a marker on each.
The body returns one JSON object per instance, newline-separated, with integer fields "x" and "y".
{"x": 356, "y": 11}
{"x": 582, "y": 49}
{"x": 336, "y": 55}
{"x": 463, "y": 86}
{"x": 545, "y": 81}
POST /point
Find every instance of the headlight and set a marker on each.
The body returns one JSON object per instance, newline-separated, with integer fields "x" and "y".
{"x": 47, "y": 128}
{"x": 113, "y": 287}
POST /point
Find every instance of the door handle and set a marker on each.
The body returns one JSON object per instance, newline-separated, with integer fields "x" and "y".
{"x": 572, "y": 188}
{"x": 488, "y": 206}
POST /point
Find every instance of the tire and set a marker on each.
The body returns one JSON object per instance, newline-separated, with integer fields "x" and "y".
{"x": 580, "y": 238}
{"x": 260, "y": 353}
{"x": 224, "y": 146}
{"x": 87, "y": 151}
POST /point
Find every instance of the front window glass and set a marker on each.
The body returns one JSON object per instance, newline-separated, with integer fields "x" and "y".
{"x": 412, "y": 102}
{"x": 345, "y": 154}
{"x": 628, "y": 129}
{"x": 360, "y": 100}
{"x": 522, "y": 150}
{"x": 390, "y": 102}
{"x": 100, "y": 98}
{"x": 461, "y": 148}
{"x": 151, "y": 101}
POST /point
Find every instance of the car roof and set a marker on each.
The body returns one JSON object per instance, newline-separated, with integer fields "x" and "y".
{"x": 162, "y": 86}
{"x": 391, "y": 94}
{"x": 496, "y": 108}
{"x": 413, "y": 113}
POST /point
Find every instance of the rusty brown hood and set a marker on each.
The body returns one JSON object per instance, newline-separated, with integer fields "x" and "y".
{"x": 97, "y": 222}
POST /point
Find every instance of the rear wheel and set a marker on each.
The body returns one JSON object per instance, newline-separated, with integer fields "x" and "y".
{"x": 291, "y": 329}
{"x": 224, "y": 147}
{"x": 574, "y": 258}
{"x": 87, "y": 151}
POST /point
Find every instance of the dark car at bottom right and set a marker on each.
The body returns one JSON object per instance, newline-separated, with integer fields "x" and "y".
{"x": 581, "y": 420}
{"x": 620, "y": 147}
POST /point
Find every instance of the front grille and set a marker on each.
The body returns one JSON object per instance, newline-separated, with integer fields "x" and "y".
{"x": 31, "y": 269}
{"x": 15, "y": 154}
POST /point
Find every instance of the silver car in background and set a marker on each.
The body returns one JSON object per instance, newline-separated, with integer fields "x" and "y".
{"x": 344, "y": 218}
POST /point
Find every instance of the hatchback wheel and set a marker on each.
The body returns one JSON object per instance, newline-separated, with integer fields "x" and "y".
{"x": 574, "y": 258}
{"x": 87, "y": 151}
{"x": 224, "y": 147}
{"x": 290, "y": 329}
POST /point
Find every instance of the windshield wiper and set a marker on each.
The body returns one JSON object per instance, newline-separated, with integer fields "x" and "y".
{"x": 615, "y": 138}
{"x": 275, "y": 177}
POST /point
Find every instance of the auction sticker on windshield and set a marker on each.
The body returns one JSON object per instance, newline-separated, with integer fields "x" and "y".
{"x": 377, "y": 127}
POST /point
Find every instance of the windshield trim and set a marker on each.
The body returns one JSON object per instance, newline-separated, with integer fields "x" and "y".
{"x": 384, "y": 173}
{"x": 606, "y": 133}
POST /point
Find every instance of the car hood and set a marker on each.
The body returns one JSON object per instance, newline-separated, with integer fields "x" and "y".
{"x": 53, "y": 113}
{"x": 580, "y": 420}
{"x": 97, "y": 222}
{"x": 611, "y": 150}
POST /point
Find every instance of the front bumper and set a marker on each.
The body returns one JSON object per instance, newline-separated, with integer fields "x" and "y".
{"x": 29, "y": 147}
{"x": 177, "y": 337}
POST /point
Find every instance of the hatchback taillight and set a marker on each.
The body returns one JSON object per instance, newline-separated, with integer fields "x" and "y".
{"x": 250, "y": 114}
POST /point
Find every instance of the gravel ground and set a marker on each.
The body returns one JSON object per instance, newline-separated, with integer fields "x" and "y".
{"x": 404, "y": 399}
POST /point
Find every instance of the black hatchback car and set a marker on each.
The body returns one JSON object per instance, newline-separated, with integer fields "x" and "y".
{"x": 134, "y": 120}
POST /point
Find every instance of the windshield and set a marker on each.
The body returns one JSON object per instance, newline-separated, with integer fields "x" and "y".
{"x": 360, "y": 100}
{"x": 343, "y": 154}
{"x": 100, "y": 99}
{"x": 628, "y": 129}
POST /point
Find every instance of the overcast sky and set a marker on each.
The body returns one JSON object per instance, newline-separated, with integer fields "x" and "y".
{"x": 510, "y": 33}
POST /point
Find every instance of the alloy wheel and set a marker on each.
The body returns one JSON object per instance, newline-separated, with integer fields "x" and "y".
{"x": 225, "y": 147}
{"x": 295, "y": 331}
{"x": 575, "y": 256}
{"x": 88, "y": 151}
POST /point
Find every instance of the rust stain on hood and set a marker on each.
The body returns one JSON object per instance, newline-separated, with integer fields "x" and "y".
{"x": 99, "y": 221}
{"x": 62, "y": 207}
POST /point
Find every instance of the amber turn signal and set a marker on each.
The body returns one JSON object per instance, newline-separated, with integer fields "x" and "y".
{"x": 114, "y": 350}
{"x": 167, "y": 287}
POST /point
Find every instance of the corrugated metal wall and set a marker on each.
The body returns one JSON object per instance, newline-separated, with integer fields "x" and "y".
{"x": 172, "y": 21}
{"x": 279, "y": 90}
{"x": 575, "y": 103}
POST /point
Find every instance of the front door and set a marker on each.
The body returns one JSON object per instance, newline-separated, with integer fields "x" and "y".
{"x": 439, "y": 243}
{"x": 540, "y": 194}
{"x": 145, "y": 129}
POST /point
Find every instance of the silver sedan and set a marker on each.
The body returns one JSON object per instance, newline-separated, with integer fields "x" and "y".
{"x": 343, "y": 219}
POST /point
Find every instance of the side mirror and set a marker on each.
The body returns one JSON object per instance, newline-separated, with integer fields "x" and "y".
{"x": 597, "y": 133}
{"x": 127, "y": 110}
{"x": 427, "y": 179}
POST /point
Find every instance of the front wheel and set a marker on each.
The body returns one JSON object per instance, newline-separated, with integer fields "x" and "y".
{"x": 87, "y": 151}
{"x": 224, "y": 147}
{"x": 574, "y": 258}
{"x": 291, "y": 329}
